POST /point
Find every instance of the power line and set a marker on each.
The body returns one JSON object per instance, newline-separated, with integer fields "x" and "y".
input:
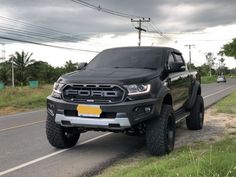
{"x": 105, "y": 10}
{"x": 43, "y": 33}
{"x": 26, "y": 33}
{"x": 41, "y": 30}
{"x": 33, "y": 25}
{"x": 157, "y": 30}
{"x": 47, "y": 45}
{"x": 124, "y": 15}
{"x": 197, "y": 40}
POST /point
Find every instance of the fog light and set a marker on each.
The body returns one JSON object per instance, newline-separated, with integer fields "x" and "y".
{"x": 51, "y": 109}
{"x": 136, "y": 109}
{"x": 147, "y": 109}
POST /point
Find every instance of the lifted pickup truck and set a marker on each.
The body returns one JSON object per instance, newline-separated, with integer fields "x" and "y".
{"x": 135, "y": 90}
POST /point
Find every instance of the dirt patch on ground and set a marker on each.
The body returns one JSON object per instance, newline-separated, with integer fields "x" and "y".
{"x": 216, "y": 126}
{"x": 11, "y": 110}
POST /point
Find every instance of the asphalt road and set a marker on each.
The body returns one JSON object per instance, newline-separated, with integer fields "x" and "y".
{"x": 25, "y": 152}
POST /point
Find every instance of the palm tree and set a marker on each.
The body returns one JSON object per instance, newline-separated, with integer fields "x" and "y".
{"x": 21, "y": 61}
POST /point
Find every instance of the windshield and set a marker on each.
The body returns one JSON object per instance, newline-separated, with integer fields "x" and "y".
{"x": 149, "y": 58}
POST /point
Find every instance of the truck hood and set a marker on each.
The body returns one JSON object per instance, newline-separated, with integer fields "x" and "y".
{"x": 112, "y": 76}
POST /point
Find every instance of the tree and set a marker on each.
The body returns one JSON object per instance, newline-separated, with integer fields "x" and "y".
{"x": 230, "y": 49}
{"x": 221, "y": 66}
{"x": 204, "y": 70}
{"x": 193, "y": 67}
{"x": 21, "y": 62}
{"x": 69, "y": 66}
{"x": 42, "y": 72}
{"x": 5, "y": 72}
{"x": 210, "y": 61}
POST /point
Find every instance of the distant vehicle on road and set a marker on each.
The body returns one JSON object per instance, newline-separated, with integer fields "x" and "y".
{"x": 134, "y": 90}
{"x": 221, "y": 78}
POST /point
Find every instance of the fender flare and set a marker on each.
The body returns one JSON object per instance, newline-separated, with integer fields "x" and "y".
{"x": 193, "y": 94}
{"x": 163, "y": 93}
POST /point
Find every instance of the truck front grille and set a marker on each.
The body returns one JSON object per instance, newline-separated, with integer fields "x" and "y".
{"x": 93, "y": 93}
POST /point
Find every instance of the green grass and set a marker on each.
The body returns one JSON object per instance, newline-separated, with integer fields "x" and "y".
{"x": 228, "y": 104}
{"x": 230, "y": 76}
{"x": 200, "y": 160}
{"x": 208, "y": 79}
{"x": 24, "y": 97}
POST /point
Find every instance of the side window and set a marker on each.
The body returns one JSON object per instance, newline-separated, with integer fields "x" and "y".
{"x": 178, "y": 58}
{"x": 171, "y": 59}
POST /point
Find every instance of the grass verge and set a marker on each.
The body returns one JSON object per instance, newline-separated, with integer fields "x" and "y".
{"x": 198, "y": 160}
{"x": 227, "y": 105}
{"x": 204, "y": 159}
{"x": 23, "y": 98}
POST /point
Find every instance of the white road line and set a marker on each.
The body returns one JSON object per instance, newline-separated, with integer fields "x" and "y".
{"x": 20, "y": 126}
{"x": 218, "y": 92}
{"x": 49, "y": 155}
{"x": 22, "y": 113}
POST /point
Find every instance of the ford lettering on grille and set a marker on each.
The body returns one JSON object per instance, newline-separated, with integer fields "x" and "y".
{"x": 87, "y": 93}
{"x": 98, "y": 93}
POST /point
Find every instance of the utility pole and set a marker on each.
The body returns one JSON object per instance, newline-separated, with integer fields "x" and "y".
{"x": 210, "y": 61}
{"x": 139, "y": 28}
{"x": 189, "y": 48}
{"x": 12, "y": 73}
{"x": 3, "y": 52}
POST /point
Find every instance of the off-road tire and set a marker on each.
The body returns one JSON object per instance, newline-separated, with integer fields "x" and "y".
{"x": 196, "y": 118}
{"x": 60, "y": 137}
{"x": 160, "y": 132}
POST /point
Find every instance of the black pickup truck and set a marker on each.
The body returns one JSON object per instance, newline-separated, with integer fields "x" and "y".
{"x": 134, "y": 90}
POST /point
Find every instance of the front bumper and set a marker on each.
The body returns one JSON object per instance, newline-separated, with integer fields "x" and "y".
{"x": 115, "y": 123}
{"x": 124, "y": 115}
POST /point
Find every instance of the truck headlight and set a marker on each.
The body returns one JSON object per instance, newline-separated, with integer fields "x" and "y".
{"x": 57, "y": 90}
{"x": 136, "y": 89}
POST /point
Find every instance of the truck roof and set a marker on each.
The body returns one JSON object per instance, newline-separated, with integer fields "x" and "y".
{"x": 166, "y": 49}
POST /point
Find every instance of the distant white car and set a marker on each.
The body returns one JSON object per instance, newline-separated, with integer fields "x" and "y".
{"x": 221, "y": 79}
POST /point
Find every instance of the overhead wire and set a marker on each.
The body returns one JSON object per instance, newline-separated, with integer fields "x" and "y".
{"x": 43, "y": 34}
{"x": 26, "y": 33}
{"x": 44, "y": 28}
{"x": 158, "y": 31}
{"x": 106, "y": 10}
{"x": 120, "y": 14}
{"x": 47, "y": 45}
{"x": 42, "y": 31}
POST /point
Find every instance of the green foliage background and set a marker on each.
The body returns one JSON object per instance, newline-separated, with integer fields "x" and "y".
{"x": 26, "y": 69}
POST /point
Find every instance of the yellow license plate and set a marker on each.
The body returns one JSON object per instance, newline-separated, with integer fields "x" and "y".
{"x": 89, "y": 110}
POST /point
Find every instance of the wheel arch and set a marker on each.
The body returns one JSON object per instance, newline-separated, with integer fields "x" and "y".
{"x": 194, "y": 91}
{"x": 167, "y": 99}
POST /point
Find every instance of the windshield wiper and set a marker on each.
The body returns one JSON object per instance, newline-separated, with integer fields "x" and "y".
{"x": 117, "y": 67}
{"x": 149, "y": 68}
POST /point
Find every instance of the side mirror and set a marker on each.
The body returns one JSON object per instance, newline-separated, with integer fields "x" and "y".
{"x": 176, "y": 67}
{"x": 82, "y": 66}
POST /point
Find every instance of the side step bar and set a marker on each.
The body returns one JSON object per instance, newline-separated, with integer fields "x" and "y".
{"x": 181, "y": 115}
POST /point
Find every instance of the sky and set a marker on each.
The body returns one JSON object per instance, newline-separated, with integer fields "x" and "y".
{"x": 206, "y": 24}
